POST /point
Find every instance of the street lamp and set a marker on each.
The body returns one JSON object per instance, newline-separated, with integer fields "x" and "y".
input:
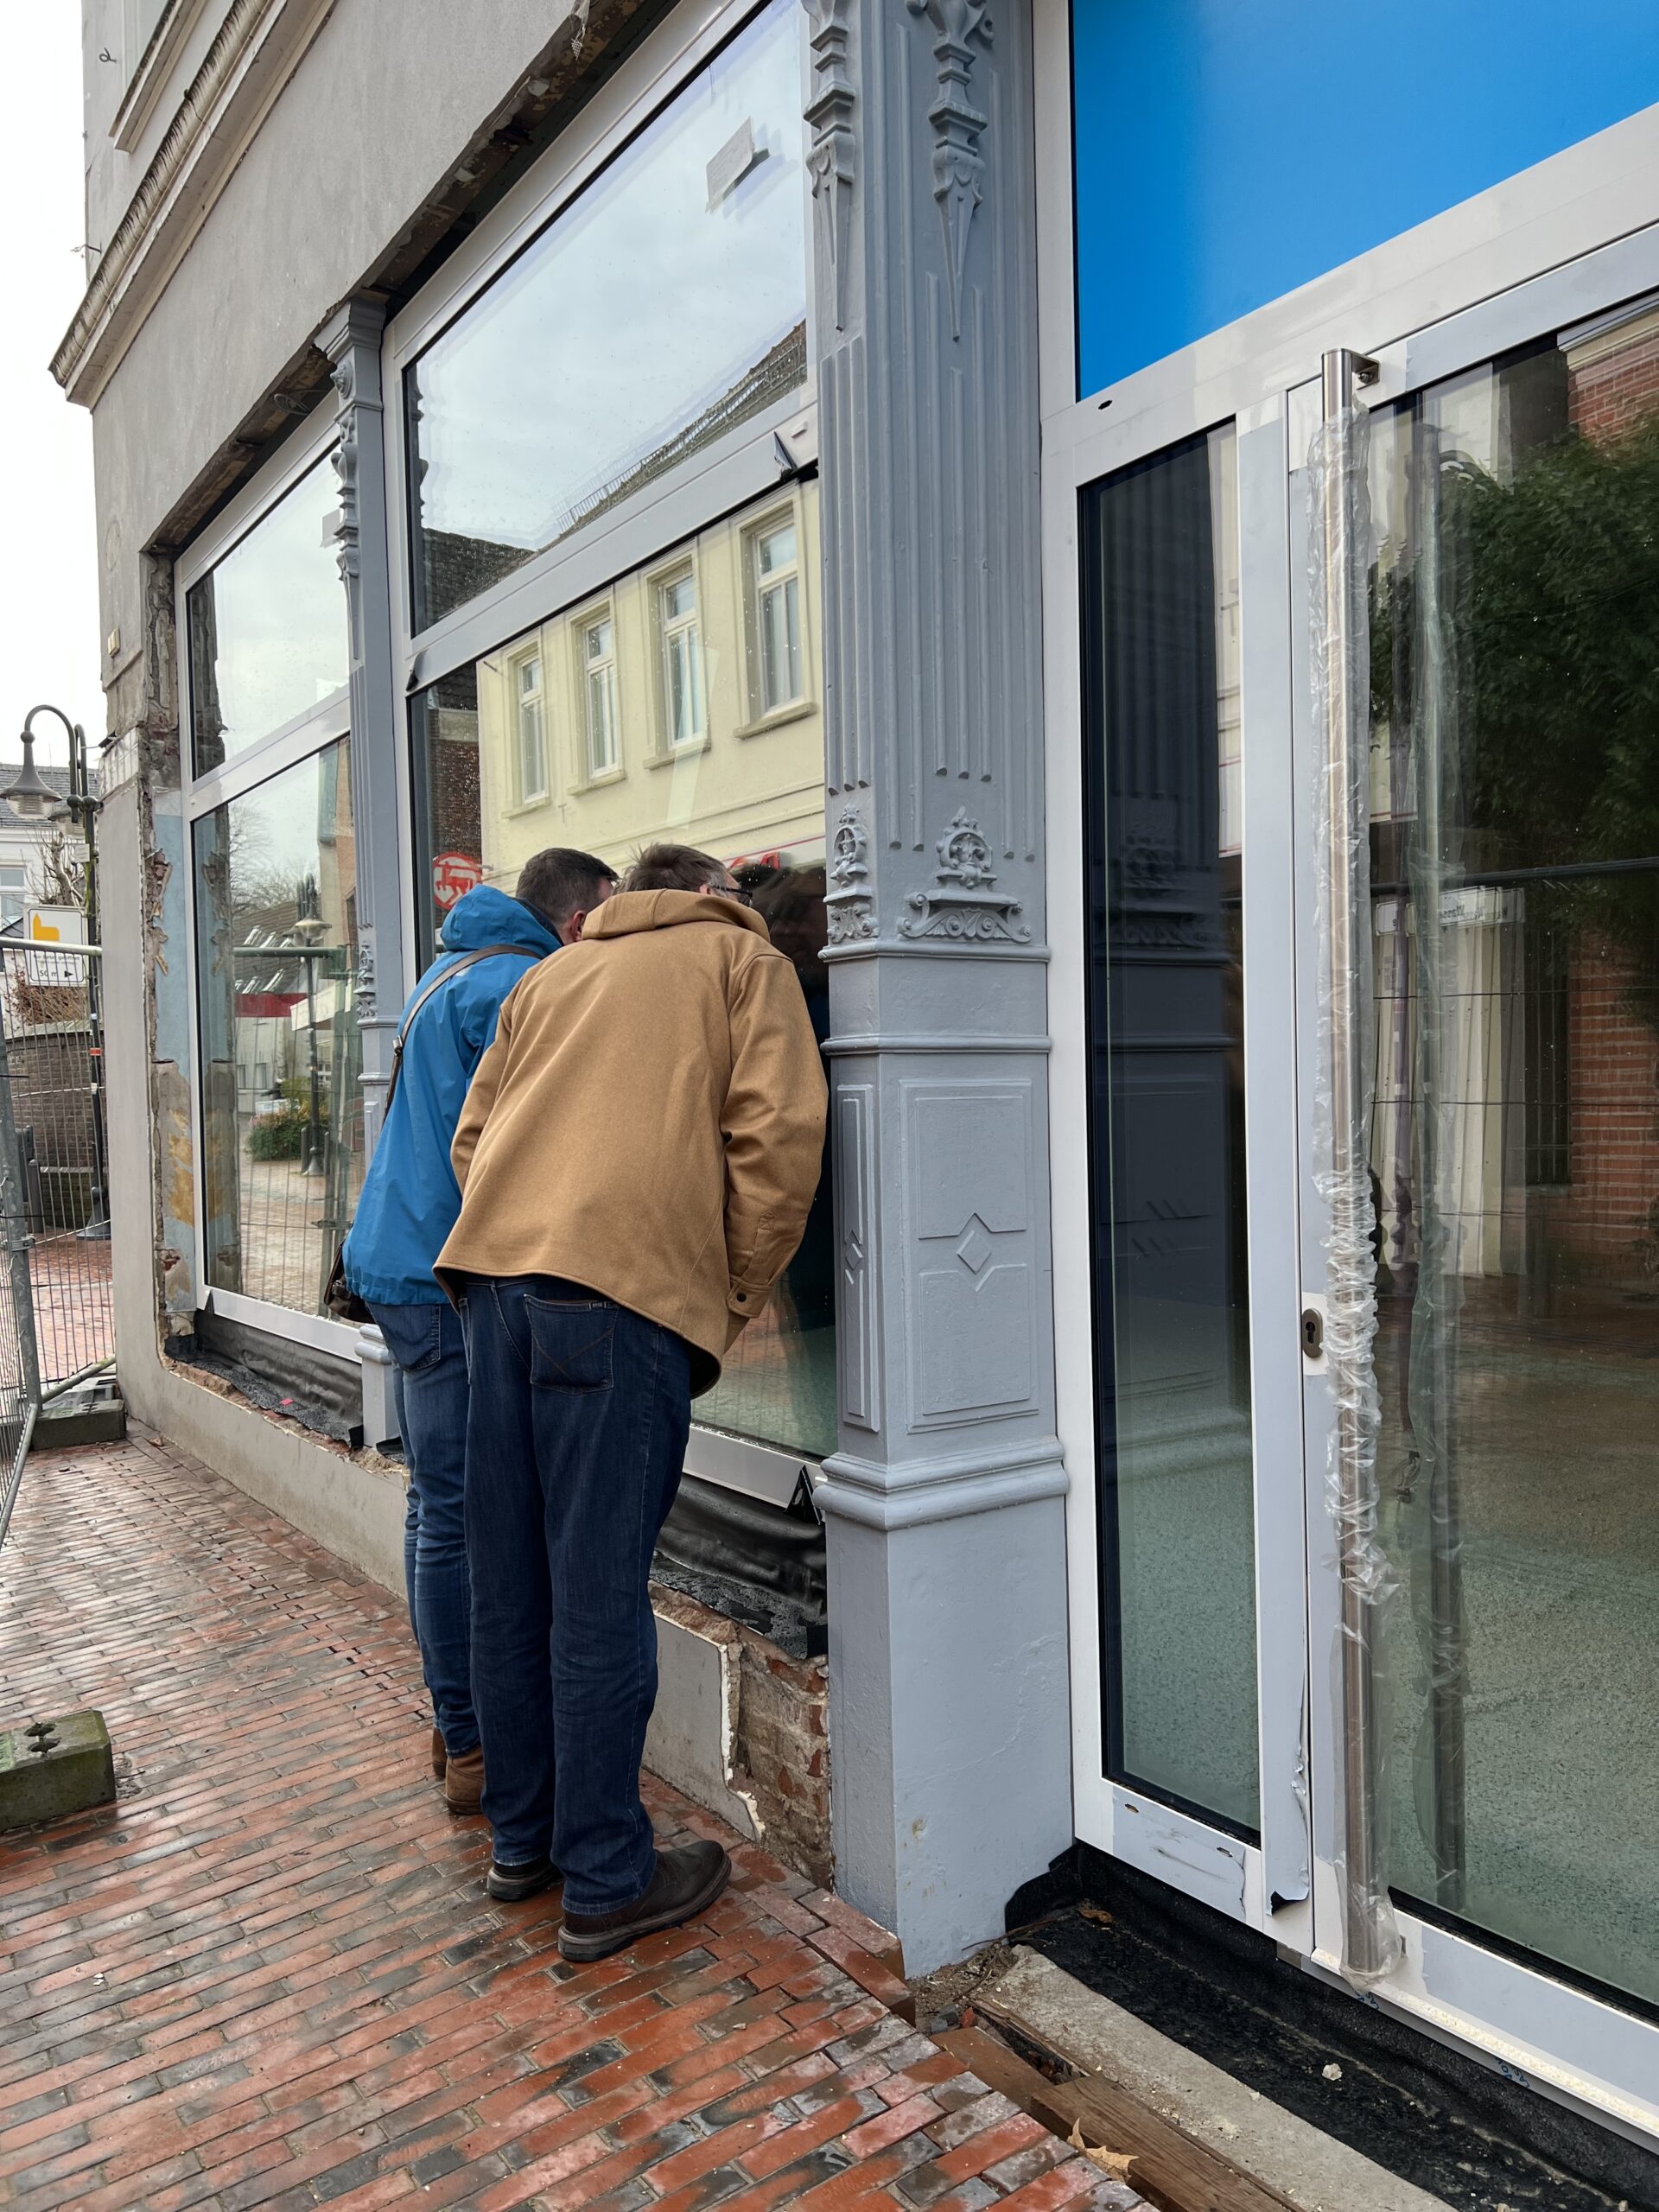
{"x": 29, "y": 795}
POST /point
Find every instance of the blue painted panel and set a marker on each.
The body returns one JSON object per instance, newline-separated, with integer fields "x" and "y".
{"x": 1228, "y": 150}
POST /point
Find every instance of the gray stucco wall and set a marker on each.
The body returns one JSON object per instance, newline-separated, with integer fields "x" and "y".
{"x": 380, "y": 107}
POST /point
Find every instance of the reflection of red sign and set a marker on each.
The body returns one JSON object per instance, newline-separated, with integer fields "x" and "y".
{"x": 454, "y": 875}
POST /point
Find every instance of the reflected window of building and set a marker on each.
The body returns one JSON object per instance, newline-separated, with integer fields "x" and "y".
{"x": 599, "y": 694}
{"x": 282, "y": 1121}
{"x": 682, "y": 660}
{"x": 668, "y": 638}
{"x": 776, "y": 602}
{"x": 693, "y": 238}
{"x": 532, "y": 731}
{"x": 14, "y": 893}
{"x": 266, "y": 626}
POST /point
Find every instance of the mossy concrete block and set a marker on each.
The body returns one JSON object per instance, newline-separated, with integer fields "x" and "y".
{"x": 51, "y": 1768}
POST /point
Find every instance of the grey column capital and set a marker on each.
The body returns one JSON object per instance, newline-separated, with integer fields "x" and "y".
{"x": 944, "y": 1504}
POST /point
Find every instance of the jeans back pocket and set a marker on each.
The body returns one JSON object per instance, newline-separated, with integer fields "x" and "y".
{"x": 570, "y": 1343}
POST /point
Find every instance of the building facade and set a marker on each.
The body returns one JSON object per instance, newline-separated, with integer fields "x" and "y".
{"x": 1134, "y": 529}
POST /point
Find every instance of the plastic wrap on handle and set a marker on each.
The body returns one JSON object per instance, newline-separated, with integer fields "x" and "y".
{"x": 1340, "y": 539}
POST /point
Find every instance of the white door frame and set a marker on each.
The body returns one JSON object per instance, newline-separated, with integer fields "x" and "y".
{"x": 1540, "y": 252}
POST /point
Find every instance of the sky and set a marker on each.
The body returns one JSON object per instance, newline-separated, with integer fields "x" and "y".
{"x": 48, "y": 541}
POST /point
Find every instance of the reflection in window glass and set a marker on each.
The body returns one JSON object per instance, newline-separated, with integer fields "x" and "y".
{"x": 600, "y": 662}
{"x": 681, "y": 661}
{"x": 778, "y": 607}
{"x": 532, "y": 731}
{"x": 1515, "y": 935}
{"x": 275, "y": 887}
{"x": 14, "y": 893}
{"x": 1160, "y": 545}
{"x": 267, "y": 625}
{"x": 693, "y": 241}
{"x": 755, "y": 799}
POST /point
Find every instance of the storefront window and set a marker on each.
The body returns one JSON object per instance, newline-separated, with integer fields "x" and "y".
{"x": 1164, "y": 747}
{"x": 646, "y": 718}
{"x": 1515, "y": 921}
{"x": 267, "y": 625}
{"x": 659, "y": 310}
{"x": 275, "y": 891}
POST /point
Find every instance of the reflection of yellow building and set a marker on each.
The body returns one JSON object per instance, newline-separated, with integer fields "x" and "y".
{"x": 683, "y": 700}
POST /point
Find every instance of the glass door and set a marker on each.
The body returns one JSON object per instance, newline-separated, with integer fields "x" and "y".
{"x": 1491, "y": 1474}
{"x": 1170, "y": 811}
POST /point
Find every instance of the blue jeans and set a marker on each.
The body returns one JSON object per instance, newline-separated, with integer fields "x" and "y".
{"x": 426, "y": 1344}
{"x": 575, "y": 1446}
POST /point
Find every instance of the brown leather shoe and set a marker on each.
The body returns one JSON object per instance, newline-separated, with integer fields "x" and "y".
{"x": 439, "y": 1756}
{"x": 686, "y": 1883}
{"x": 463, "y": 1781}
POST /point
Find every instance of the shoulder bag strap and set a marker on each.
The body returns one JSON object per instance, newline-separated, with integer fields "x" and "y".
{"x": 436, "y": 983}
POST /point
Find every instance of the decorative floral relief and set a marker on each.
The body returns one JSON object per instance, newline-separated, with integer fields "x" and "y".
{"x": 849, "y": 901}
{"x": 963, "y": 903}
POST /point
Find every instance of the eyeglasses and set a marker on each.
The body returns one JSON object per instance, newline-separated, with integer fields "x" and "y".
{"x": 731, "y": 891}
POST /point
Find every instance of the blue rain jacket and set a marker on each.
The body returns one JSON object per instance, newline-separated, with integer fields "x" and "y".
{"x": 411, "y": 1197}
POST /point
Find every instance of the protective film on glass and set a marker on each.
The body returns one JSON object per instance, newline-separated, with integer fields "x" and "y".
{"x": 660, "y": 309}
{"x": 660, "y": 713}
{"x": 1163, "y": 740}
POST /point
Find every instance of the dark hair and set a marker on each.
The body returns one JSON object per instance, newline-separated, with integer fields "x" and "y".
{"x": 562, "y": 881}
{"x": 673, "y": 867}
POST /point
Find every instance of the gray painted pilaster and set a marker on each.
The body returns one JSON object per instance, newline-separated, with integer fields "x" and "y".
{"x": 351, "y": 340}
{"x": 950, "y": 1719}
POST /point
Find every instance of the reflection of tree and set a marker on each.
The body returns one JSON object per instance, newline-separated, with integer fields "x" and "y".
{"x": 1555, "y": 636}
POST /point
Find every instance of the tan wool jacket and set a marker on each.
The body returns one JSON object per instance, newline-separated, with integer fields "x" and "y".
{"x": 649, "y": 1121}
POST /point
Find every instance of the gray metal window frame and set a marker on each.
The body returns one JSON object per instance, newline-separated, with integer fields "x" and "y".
{"x": 766, "y": 454}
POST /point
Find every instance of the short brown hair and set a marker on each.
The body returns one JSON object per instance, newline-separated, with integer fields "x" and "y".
{"x": 673, "y": 867}
{"x": 560, "y": 881}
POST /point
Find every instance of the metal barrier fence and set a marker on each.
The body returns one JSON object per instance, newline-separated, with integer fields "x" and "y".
{"x": 20, "y": 1373}
{"x": 54, "y": 1162}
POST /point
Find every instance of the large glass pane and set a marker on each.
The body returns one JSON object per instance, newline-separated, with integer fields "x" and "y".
{"x": 1163, "y": 747}
{"x": 267, "y": 625}
{"x": 1516, "y": 1152}
{"x": 276, "y": 879}
{"x": 528, "y": 418}
{"x": 617, "y": 778}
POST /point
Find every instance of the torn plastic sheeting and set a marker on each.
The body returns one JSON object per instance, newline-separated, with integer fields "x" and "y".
{"x": 1340, "y": 539}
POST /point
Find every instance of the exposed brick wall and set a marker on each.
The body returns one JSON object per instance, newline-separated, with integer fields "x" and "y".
{"x": 1607, "y": 1214}
{"x": 1610, "y": 396}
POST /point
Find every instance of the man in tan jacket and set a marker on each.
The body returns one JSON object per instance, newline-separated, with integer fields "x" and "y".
{"x": 637, "y": 1157}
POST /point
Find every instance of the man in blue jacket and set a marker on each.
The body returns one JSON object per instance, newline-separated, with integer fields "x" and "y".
{"x": 408, "y": 1207}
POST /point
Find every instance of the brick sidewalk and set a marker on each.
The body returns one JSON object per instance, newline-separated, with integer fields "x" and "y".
{"x": 270, "y": 1977}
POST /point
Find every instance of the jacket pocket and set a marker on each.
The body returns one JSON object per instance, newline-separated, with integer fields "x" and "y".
{"x": 570, "y": 1343}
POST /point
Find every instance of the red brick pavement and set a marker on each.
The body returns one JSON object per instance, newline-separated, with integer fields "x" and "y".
{"x": 269, "y": 1976}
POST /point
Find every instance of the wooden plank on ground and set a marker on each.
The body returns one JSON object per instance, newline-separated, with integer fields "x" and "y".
{"x": 1169, "y": 2168}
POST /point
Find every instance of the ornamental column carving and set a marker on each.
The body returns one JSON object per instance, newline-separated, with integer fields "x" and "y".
{"x": 945, "y": 1503}
{"x": 351, "y": 340}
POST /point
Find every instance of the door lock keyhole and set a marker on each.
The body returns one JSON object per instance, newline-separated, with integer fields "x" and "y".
{"x": 1312, "y": 1332}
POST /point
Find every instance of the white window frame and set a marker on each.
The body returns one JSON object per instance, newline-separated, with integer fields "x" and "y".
{"x": 589, "y": 769}
{"x": 528, "y": 791}
{"x": 573, "y": 581}
{"x": 762, "y": 717}
{"x": 1460, "y": 287}
{"x": 308, "y": 733}
{"x": 665, "y": 631}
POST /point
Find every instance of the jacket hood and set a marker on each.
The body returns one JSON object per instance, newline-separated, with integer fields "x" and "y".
{"x": 625, "y": 913}
{"x": 486, "y": 916}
